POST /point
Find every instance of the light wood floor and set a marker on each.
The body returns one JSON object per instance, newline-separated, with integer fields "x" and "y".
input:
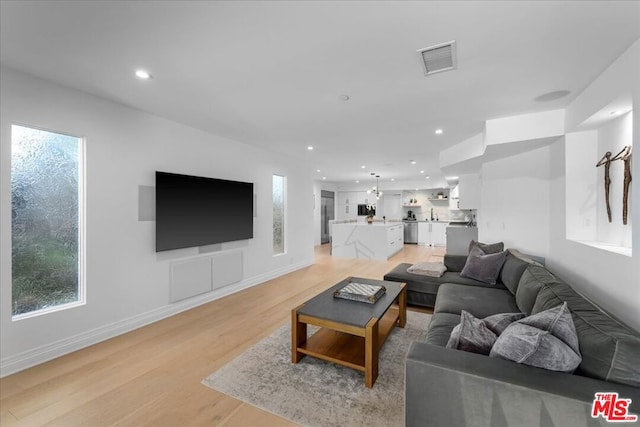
{"x": 152, "y": 376}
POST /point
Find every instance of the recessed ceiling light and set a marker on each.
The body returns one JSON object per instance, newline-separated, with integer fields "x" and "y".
{"x": 421, "y": 171}
{"x": 310, "y": 148}
{"x": 142, "y": 74}
{"x": 344, "y": 97}
{"x": 413, "y": 162}
{"x": 324, "y": 177}
{"x": 318, "y": 170}
{"x": 393, "y": 179}
{"x": 427, "y": 177}
{"x": 357, "y": 181}
{"x": 362, "y": 167}
{"x": 438, "y": 131}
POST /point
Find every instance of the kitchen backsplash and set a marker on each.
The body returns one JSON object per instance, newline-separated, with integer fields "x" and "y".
{"x": 425, "y": 204}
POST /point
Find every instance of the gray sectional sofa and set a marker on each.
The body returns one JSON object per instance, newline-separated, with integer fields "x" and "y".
{"x": 449, "y": 387}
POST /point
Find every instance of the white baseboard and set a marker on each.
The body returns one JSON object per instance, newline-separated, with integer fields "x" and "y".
{"x": 16, "y": 363}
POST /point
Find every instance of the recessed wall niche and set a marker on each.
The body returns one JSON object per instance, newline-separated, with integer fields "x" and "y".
{"x": 587, "y": 220}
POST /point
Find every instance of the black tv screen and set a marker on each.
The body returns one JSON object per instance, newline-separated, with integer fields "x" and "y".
{"x": 197, "y": 211}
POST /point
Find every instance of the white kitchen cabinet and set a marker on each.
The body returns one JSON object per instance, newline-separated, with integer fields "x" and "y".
{"x": 439, "y": 234}
{"x": 469, "y": 191}
{"x": 347, "y": 212}
{"x": 432, "y": 233}
{"x": 424, "y": 233}
{"x": 454, "y": 200}
{"x": 362, "y": 197}
{"x": 348, "y": 203}
{"x": 346, "y": 197}
{"x": 395, "y": 237}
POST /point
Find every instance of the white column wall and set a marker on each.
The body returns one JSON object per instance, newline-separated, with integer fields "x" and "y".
{"x": 515, "y": 202}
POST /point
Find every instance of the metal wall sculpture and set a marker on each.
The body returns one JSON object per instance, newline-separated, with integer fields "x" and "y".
{"x": 606, "y": 161}
{"x": 625, "y": 156}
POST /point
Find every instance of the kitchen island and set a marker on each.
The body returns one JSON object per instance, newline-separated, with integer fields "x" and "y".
{"x": 367, "y": 241}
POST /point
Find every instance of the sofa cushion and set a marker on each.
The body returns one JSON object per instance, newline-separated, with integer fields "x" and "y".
{"x": 610, "y": 352}
{"x": 487, "y": 248}
{"x": 440, "y": 328}
{"x": 426, "y": 284}
{"x": 483, "y": 267}
{"x": 553, "y": 294}
{"x": 471, "y": 335}
{"x": 609, "y": 349}
{"x": 479, "y": 301}
{"x": 455, "y": 262}
{"x": 514, "y": 265}
{"x": 497, "y": 323}
{"x": 547, "y": 340}
{"x": 533, "y": 279}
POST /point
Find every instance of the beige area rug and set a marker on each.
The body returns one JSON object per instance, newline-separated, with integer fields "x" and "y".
{"x": 317, "y": 393}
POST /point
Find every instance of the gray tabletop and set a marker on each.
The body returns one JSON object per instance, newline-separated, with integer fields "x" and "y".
{"x": 327, "y": 307}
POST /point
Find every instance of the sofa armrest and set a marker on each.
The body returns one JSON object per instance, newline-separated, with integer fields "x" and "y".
{"x": 446, "y": 387}
{"x": 455, "y": 263}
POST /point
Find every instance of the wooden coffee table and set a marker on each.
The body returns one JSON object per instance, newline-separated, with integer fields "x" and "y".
{"x": 351, "y": 333}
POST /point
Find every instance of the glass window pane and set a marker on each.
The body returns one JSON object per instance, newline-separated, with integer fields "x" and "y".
{"x": 278, "y": 214}
{"x": 45, "y": 206}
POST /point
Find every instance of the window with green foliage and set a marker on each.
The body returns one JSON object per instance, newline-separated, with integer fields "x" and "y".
{"x": 278, "y": 214}
{"x": 46, "y": 220}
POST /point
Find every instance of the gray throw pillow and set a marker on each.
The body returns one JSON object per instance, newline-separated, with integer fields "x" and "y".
{"x": 484, "y": 268}
{"x": 471, "y": 335}
{"x": 547, "y": 340}
{"x": 487, "y": 248}
{"x": 497, "y": 323}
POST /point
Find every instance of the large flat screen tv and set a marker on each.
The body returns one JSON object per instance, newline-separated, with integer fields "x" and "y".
{"x": 197, "y": 211}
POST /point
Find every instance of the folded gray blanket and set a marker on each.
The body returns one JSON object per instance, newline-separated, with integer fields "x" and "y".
{"x": 432, "y": 269}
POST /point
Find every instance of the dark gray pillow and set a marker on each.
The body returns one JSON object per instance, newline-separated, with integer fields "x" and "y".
{"x": 547, "y": 340}
{"x": 487, "y": 248}
{"x": 484, "y": 268}
{"x": 497, "y": 323}
{"x": 471, "y": 335}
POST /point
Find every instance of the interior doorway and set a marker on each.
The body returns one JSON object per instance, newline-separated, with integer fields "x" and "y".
{"x": 327, "y": 212}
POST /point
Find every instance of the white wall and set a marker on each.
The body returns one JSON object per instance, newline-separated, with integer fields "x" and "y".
{"x": 610, "y": 279}
{"x": 127, "y": 282}
{"x": 612, "y": 137}
{"x": 515, "y": 202}
{"x": 524, "y": 127}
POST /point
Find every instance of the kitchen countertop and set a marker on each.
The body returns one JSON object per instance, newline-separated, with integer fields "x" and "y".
{"x": 424, "y": 220}
{"x": 364, "y": 224}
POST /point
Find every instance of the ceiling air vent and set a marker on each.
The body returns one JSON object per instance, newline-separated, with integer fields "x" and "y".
{"x": 439, "y": 58}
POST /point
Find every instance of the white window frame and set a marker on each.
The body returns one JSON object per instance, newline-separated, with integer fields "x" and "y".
{"x": 82, "y": 196}
{"x": 284, "y": 215}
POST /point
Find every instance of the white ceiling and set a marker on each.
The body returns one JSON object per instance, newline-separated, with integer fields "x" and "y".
{"x": 271, "y": 73}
